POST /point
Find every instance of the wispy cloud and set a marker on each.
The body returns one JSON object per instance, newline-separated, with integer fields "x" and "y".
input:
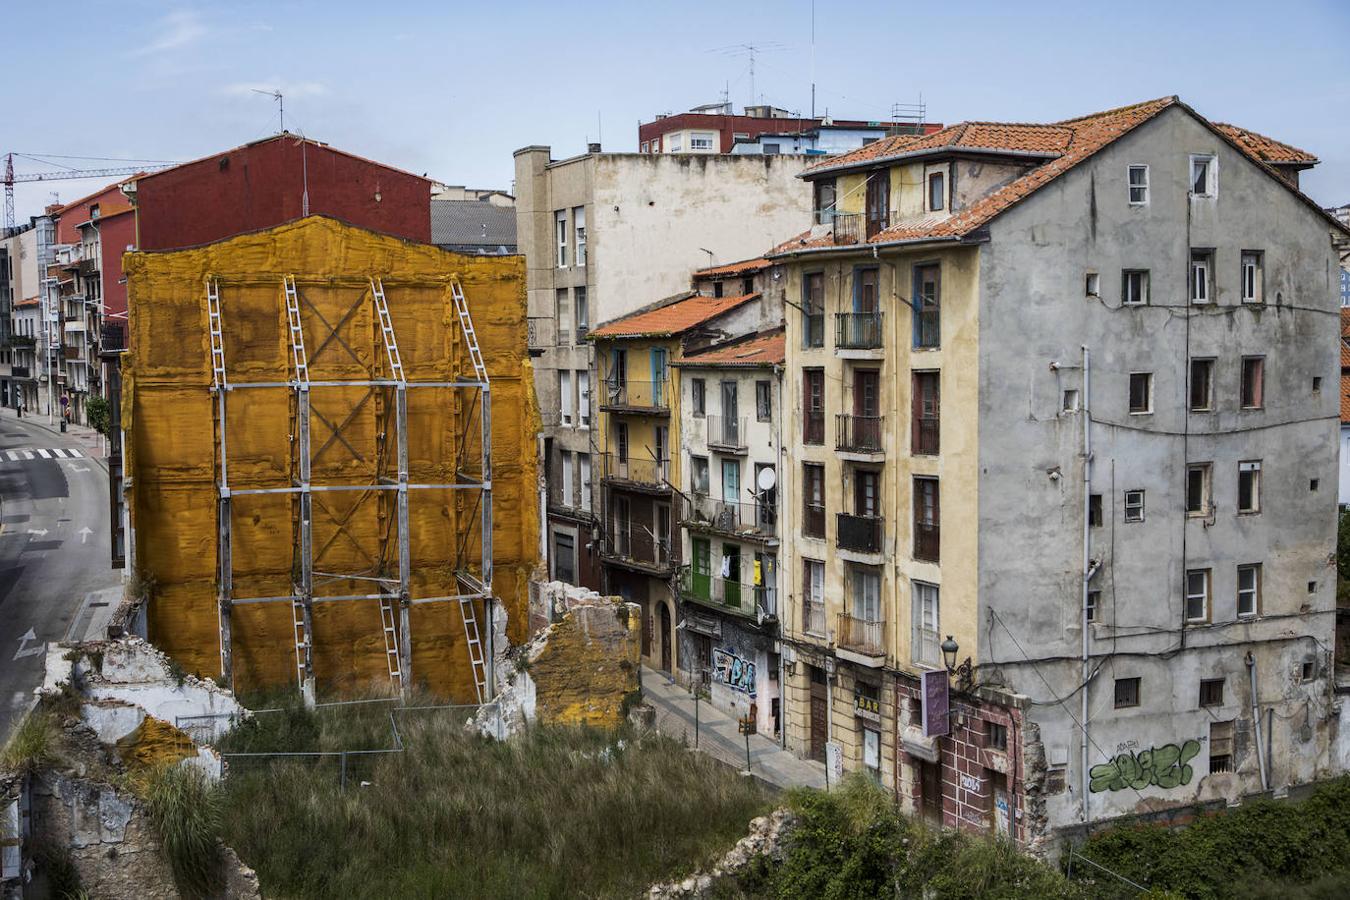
{"x": 178, "y": 29}
{"x": 291, "y": 90}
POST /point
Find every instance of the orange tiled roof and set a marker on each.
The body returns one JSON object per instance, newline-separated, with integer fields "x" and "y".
{"x": 671, "y": 318}
{"x": 736, "y": 268}
{"x": 1345, "y": 356}
{"x": 1345, "y": 321}
{"x": 764, "y": 349}
{"x": 1070, "y": 142}
{"x": 1345, "y": 392}
{"x": 24, "y": 304}
{"x": 1266, "y": 149}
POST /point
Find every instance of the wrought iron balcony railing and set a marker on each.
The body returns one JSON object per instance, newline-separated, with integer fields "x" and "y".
{"x": 857, "y": 330}
{"x": 629, "y": 395}
{"x": 864, "y": 636}
{"x": 650, "y": 472}
{"x": 858, "y": 434}
{"x": 726, "y": 433}
{"x": 744, "y": 517}
{"x": 862, "y": 534}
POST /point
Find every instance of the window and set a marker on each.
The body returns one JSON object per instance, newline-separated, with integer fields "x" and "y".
{"x": 1134, "y": 287}
{"x": 621, "y": 441}
{"x": 564, "y": 557}
{"x": 1141, "y": 393}
{"x": 579, "y": 230}
{"x": 560, "y": 228}
{"x": 1202, "y": 282}
{"x": 569, "y": 497}
{"x": 1249, "y": 486}
{"x": 763, "y": 401}
{"x": 1095, "y": 510}
{"x": 813, "y": 406}
{"x": 1197, "y": 595}
{"x": 872, "y": 752}
{"x": 1253, "y": 280}
{"x": 698, "y": 475}
{"x": 584, "y": 397}
{"x": 813, "y": 310}
{"x": 718, "y": 289}
{"x": 585, "y": 460}
{"x": 646, "y": 146}
{"x": 864, "y": 584}
{"x": 1138, "y": 176}
{"x": 1202, "y": 385}
{"x": 925, "y": 414}
{"x": 1221, "y": 746}
{"x": 747, "y": 286}
{"x": 1197, "y": 489}
{"x": 1317, "y": 383}
{"x": 996, "y": 736}
{"x": 675, "y": 143}
{"x": 1253, "y": 381}
{"x": 772, "y": 149}
{"x": 825, "y": 200}
{"x": 1249, "y": 591}
{"x": 928, "y": 307}
{"x": 925, "y": 647}
{"x": 937, "y": 193}
{"x": 926, "y": 519}
{"x": 1127, "y": 692}
{"x": 1092, "y": 285}
{"x": 565, "y": 396}
{"x": 580, "y": 312}
{"x": 1134, "y": 506}
{"x": 1094, "y": 606}
{"x": 813, "y": 500}
{"x": 1211, "y": 692}
{"x": 813, "y": 596}
{"x": 698, "y": 395}
{"x": 562, "y": 315}
{"x": 1204, "y": 180}
{"x": 1069, "y": 400}
{"x": 700, "y": 141}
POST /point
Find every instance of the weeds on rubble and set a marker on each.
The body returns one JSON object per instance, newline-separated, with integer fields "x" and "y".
{"x": 55, "y": 864}
{"x": 33, "y": 746}
{"x": 185, "y": 810}
{"x": 553, "y": 812}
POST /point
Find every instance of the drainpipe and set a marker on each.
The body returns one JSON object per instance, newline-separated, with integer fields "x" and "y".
{"x": 1256, "y": 722}
{"x": 1087, "y": 573}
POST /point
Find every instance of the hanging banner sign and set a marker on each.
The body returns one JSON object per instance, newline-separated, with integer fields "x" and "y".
{"x": 935, "y": 703}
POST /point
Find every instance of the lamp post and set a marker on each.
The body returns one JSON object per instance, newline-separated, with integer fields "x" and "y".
{"x": 963, "y": 671}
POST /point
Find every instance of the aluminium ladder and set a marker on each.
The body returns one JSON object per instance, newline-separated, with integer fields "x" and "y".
{"x": 388, "y": 626}
{"x": 297, "y": 334}
{"x": 387, "y": 622}
{"x": 301, "y": 604}
{"x": 301, "y": 640}
{"x": 218, "y": 386}
{"x": 470, "y": 336}
{"x": 217, "y": 338}
{"x": 387, "y": 330}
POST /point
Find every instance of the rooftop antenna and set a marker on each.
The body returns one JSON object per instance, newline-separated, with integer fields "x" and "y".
{"x": 749, "y": 51}
{"x": 813, "y": 59}
{"x": 275, "y": 94}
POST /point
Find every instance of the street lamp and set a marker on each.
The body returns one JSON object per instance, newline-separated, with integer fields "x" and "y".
{"x": 963, "y": 672}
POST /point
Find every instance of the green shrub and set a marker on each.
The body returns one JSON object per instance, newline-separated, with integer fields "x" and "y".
{"x": 96, "y": 409}
{"x": 185, "y": 810}
{"x": 33, "y": 746}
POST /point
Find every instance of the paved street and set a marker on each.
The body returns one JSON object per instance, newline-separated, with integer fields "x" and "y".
{"x": 55, "y": 580}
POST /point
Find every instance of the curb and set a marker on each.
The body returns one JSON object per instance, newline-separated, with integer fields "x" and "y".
{"x": 100, "y": 460}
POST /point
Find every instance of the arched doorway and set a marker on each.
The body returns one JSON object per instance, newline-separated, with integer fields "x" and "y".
{"x": 666, "y": 638}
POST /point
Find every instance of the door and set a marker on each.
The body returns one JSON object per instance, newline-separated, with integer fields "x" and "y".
{"x": 731, "y": 575}
{"x": 731, "y": 480}
{"x": 730, "y": 424}
{"x": 658, "y": 357}
{"x": 702, "y": 657}
{"x": 766, "y": 502}
{"x": 930, "y": 792}
{"x": 866, "y": 493}
{"x": 662, "y": 433}
{"x": 618, "y": 376}
{"x": 700, "y": 570}
{"x": 664, "y": 618}
{"x": 623, "y": 526}
{"x": 878, "y": 202}
{"x": 820, "y": 710}
{"x": 866, "y": 409}
{"x": 865, "y": 291}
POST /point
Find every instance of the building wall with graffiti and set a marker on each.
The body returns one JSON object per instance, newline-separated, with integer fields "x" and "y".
{"x": 735, "y": 660}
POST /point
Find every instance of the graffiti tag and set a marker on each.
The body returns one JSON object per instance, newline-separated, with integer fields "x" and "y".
{"x": 1163, "y": 767}
{"x": 736, "y": 673}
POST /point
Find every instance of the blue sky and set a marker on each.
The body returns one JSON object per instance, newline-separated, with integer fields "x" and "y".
{"x": 451, "y": 89}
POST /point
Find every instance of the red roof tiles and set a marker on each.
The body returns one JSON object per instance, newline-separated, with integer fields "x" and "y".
{"x": 736, "y": 268}
{"x": 671, "y": 318}
{"x": 1266, "y": 149}
{"x": 764, "y": 349}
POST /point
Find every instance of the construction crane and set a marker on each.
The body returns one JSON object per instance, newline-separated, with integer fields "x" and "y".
{"x": 66, "y": 173}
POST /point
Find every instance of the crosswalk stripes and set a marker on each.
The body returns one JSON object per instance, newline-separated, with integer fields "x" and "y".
{"x": 41, "y": 453}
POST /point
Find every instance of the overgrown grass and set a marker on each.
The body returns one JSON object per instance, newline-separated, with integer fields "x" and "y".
{"x": 33, "y": 745}
{"x": 554, "y": 812}
{"x": 853, "y": 843}
{"x": 1264, "y": 848}
{"x": 185, "y": 810}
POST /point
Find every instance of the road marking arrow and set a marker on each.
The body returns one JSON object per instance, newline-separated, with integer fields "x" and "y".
{"x": 84, "y": 533}
{"x": 39, "y": 533}
{"x": 79, "y": 468}
{"x": 23, "y": 643}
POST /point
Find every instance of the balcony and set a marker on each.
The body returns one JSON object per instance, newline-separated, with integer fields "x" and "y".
{"x": 813, "y": 617}
{"x": 861, "y": 640}
{"x": 643, "y": 473}
{"x": 74, "y": 354}
{"x": 633, "y": 545}
{"x": 641, "y": 397}
{"x": 114, "y": 337}
{"x": 719, "y": 593}
{"x": 857, "y": 331}
{"x": 539, "y": 333}
{"x": 858, "y": 434}
{"x": 926, "y": 542}
{"x": 813, "y": 427}
{"x": 927, "y": 326}
{"x": 24, "y": 341}
{"x": 849, "y": 228}
{"x": 87, "y": 267}
{"x": 813, "y": 520}
{"x": 20, "y": 372}
{"x": 582, "y": 331}
{"x": 925, "y": 435}
{"x": 742, "y": 519}
{"x": 861, "y": 534}
{"x": 726, "y": 435}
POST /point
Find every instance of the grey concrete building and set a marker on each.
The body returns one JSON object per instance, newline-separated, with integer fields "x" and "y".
{"x": 1083, "y": 381}
{"x": 605, "y": 234}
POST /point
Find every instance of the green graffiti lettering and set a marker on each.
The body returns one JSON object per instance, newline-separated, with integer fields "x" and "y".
{"x": 1163, "y": 767}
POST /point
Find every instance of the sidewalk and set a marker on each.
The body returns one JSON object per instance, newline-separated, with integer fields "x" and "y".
{"x": 89, "y": 441}
{"x": 719, "y": 736}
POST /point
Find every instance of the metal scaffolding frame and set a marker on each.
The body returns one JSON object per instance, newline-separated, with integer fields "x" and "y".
{"x": 396, "y": 631}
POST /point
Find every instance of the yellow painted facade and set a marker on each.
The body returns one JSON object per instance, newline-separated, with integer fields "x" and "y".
{"x": 173, "y": 460}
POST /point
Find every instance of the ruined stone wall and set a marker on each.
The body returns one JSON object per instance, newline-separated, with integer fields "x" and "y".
{"x": 588, "y": 665}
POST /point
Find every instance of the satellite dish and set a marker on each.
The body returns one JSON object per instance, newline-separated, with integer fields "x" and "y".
{"x": 766, "y": 479}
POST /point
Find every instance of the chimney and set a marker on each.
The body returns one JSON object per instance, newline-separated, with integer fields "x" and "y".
{"x": 592, "y": 148}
